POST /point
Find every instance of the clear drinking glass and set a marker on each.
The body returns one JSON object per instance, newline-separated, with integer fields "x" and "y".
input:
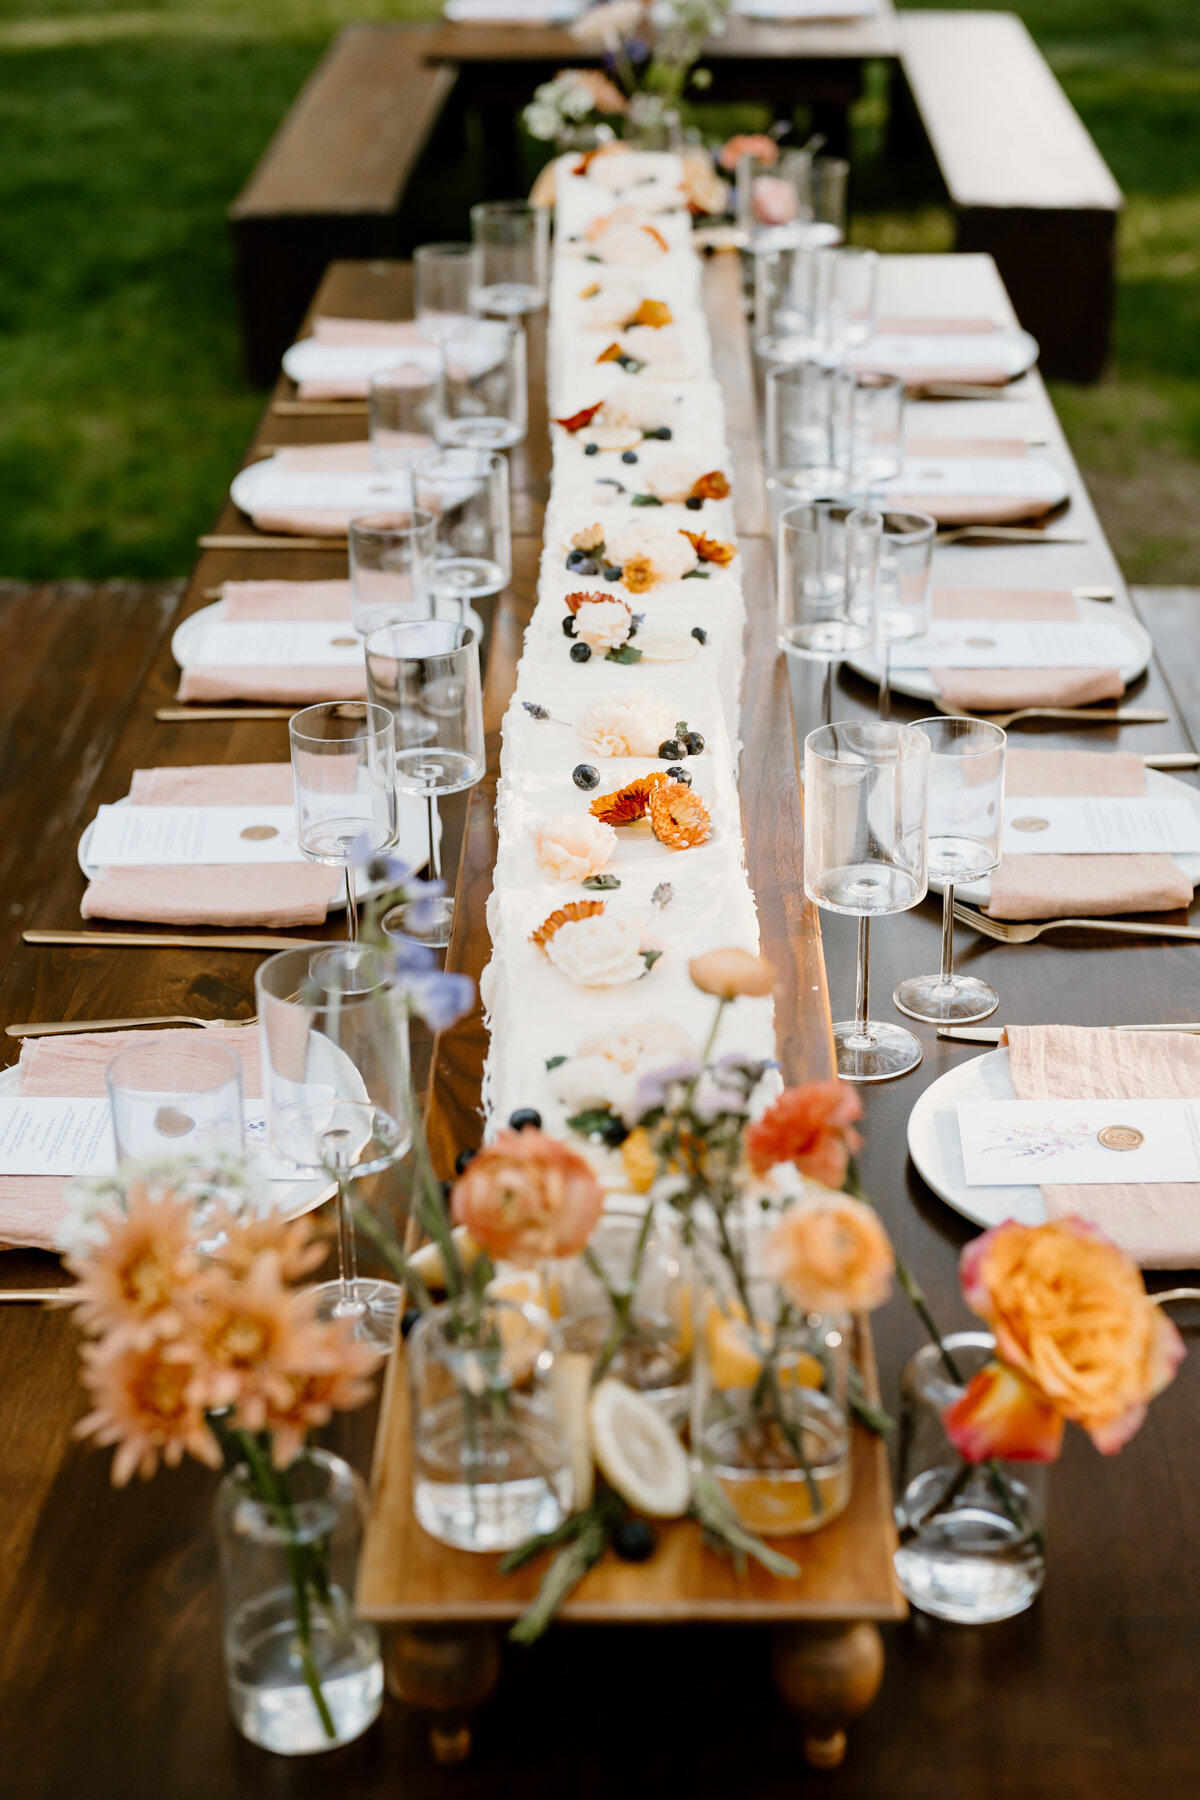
{"x": 428, "y": 677}
{"x": 405, "y": 405}
{"x": 966, "y": 805}
{"x": 971, "y": 1545}
{"x": 175, "y": 1102}
{"x": 825, "y": 564}
{"x": 828, "y": 179}
{"x": 342, "y": 756}
{"x": 514, "y": 238}
{"x": 866, "y": 792}
{"x": 490, "y": 1456}
{"x": 287, "y": 1579}
{"x": 391, "y": 568}
{"x": 876, "y": 429}
{"x": 807, "y": 430}
{"x": 771, "y": 200}
{"x": 904, "y": 594}
{"x": 334, "y": 1044}
{"x": 486, "y": 384}
{"x": 846, "y": 282}
{"x": 466, "y": 494}
{"x": 446, "y": 278}
{"x": 785, "y": 305}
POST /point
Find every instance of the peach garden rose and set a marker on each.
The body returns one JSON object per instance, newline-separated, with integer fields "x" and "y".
{"x": 811, "y": 1127}
{"x": 573, "y": 846}
{"x": 829, "y": 1253}
{"x": 526, "y": 1196}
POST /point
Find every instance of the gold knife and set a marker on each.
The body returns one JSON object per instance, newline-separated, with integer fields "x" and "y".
{"x": 59, "y": 1027}
{"x": 260, "y": 541}
{"x": 161, "y": 940}
{"x": 179, "y": 715}
{"x": 991, "y": 1034}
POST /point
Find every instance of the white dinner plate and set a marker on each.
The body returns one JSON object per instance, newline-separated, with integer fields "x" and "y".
{"x": 310, "y": 360}
{"x": 186, "y": 639}
{"x": 262, "y": 484}
{"x": 936, "y": 1149}
{"x": 412, "y": 848}
{"x": 1158, "y": 786}
{"x": 1010, "y": 349}
{"x": 918, "y": 684}
{"x": 291, "y": 1198}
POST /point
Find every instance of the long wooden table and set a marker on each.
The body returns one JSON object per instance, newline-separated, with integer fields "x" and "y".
{"x": 111, "y": 1680}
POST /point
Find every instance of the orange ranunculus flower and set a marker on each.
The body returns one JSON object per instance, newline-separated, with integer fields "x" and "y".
{"x": 525, "y": 1197}
{"x": 830, "y": 1254}
{"x": 713, "y": 486}
{"x": 748, "y": 143}
{"x": 710, "y": 549}
{"x": 1071, "y": 1316}
{"x": 810, "y": 1126}
{"x": 727, "y": 974}
{"x": 1002, "y": 1415}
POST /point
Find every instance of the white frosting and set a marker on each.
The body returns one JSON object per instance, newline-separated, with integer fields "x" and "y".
{"x": 546, "y": 1004}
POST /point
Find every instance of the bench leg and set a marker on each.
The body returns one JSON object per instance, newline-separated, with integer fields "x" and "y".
{"x": 828, "y": 1675}
{"x": 448, "y": 1671}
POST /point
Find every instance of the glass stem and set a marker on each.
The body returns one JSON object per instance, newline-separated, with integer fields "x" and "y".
{"x": 862, "y": 981}
{"x": 827, "y": 696}
{"x": 347, "y": 1249}
{"x": 351, "y": 906}
{"x": 885, "y": 680}
{"x": 435, "y": 851}
{"x": 948, "y": 934}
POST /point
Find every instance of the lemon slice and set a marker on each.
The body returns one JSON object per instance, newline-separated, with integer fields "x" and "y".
{"x": 733, "y": 1361}
{"x": 427, "y": 1261}
{"x": 666, "y": 646}
{"x": 637, "y": 1452}
{"x": 615, "y": 437}
{"x": 570, "y": 1385}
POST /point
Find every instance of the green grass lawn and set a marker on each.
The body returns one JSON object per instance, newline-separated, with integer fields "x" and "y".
{"x": 125, "y": 133}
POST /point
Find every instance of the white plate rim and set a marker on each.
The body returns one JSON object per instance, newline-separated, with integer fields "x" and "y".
{"x": 302, "y": 360}
{"x": 243, "y": 490}
{"x": 941, "y": 1096}
{"x": 190, "y": 628}
{"x": 1025, "y": 352}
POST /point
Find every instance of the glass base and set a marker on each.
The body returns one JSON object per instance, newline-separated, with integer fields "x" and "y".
{"x": 482, "y": 433}
{"x": 373, "y": 1306}
{"x": 510, "y": 298}
{"x": 888, "y": 1051}
{"x": 436, "y": 915}
{"x": 959, "y": 1001}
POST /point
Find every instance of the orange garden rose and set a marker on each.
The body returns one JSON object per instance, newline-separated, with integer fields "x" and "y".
{"x": 728, "y": 974}
{"x": 810, "y": 1127}
{"x": 829, "y": 1253}
{"x": 526, "y": 1196}
{"x": 1077, "y": 1337}
{"x": 748, "y": 143}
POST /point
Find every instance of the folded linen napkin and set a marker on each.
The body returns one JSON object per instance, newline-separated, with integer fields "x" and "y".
{"x": 1051, "y": 887}
{"x": 511, "y": 12}
{"x": 1025, "y": 487}
{"x": 318, "y": 459}
{"x": 271, "y": 602}
{"x": 1156, "y": 1223}
{"x": 402, "y": 333}
{"x": 73, "y": 1067}
{"x": 251, "y": 894}
{"x": 988, "y": 690}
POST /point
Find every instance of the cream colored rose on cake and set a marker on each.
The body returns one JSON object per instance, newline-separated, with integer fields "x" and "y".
{"x": 593, "y": 946}
{"x": 631, "y": 722}
{"x": 640, "y": 406}
{"x": 573, "y": 846}
{"x": 602, "y": 623}
{"x": 658, "y": 550}
{"x": 607, "y": 1067}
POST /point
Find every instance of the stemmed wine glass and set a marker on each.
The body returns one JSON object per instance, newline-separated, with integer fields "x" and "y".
{"x": 866, "y": 791}
{"x": 427, "y": 675}
{"x": 966, "y": 805}
{"x": 826, "y": 560}
{"x": 335, "y": 1078}
{"x": 342, "y": 756}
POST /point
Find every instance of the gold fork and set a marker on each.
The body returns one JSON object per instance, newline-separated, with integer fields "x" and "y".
{"x": 60, "y": 1026}
{"x": 1081, "y": 715}
{"x": 1008, "y": 534}
{"x": 1011, "y": 931}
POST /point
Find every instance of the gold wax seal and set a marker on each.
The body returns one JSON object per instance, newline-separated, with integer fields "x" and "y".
{"x": 343, "y": 643}
{"x": 1121, "y": 1137}
{"x": 257, "y": 833}
{"x": 982, "y": 643}
{"x": 170, "y": 1122}
{"x": 1030, "y": 823}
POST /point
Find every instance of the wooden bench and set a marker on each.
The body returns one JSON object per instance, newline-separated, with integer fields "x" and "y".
{"x": 331, "y": 181}
{"x": 1027, "y": 183}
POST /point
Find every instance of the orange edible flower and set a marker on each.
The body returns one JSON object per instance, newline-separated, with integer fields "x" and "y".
{"x": 564, "y": 915}
{"x": 627, "y": 805}
{"x": 590, "y": 291}
{"x": 653, "y": 231}
{"x": 652, "y": 312}
{"x": 578, "y": 420}
{"x": 810, "y": 1126}
{"x": 639, "y": 574}
{"x": 614, "y": 353}
{"x": 713, "y": 486}
{"x": 575, "y": 601}
{"x": 678, "y": 817}
{"x": 710, "y": 549}
{"x": 1001, "y": 1414}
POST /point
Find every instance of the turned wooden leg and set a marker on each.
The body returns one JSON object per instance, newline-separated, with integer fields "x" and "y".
{"x": 828, "y": 1674}
{"x": 448, "y": 1671}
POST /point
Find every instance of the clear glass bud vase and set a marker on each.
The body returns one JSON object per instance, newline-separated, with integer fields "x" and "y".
{"x": 491, "y": 1463}
{"x": 626, "y": 1303}
{"x": 652, "y": 123}
{"x": 971, "y": 1543}
{"x": 304, "y": 1673}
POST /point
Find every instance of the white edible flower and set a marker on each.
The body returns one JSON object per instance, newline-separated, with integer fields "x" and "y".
{"x": 630, "y": 723}
{"x": 583, "y": 1082}
{"x": 638, "y": 404}
{"x": 647, "y": 1044}
{"x": 652, "y": 343}
{"x": 630, "y": 246}
{"x": 573, "y": 846}
{"x": 672, "y": 555}
{"x": 601, "y": 951}
{"x": 604, "y": 624}
{"x": 672, "y": 474}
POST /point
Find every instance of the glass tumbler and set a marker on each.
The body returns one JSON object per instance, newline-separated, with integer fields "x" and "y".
{"x": 904, "y": 596}
{"x": 391, "y": 567}
{"x": 514, "y": 239}
{"x": 446, "y": 278}
{"x": 966, "y": 807}
{"x": 466, "y": 493}
{"x": 876, "y": 430}
{"x": 785, "y": 304}
{"x": 825, "y": 566}
{"x": 846, "y": 281}
{"x": 176, "y": 1099}
{"x": 342, "y": 757}
{"x": 866, "y": 793}
{"x": 405, "y": 405}
{"x": 807, "y": 435}
{"x": 486, "y": 385}
{"x": 971, "y": 1545}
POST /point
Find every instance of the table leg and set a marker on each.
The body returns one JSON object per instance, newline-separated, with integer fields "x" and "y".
{"x": 828, "y": 1674}
{"x": 448, "y": 1671}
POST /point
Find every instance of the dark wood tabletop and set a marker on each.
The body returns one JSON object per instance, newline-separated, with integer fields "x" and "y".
{"x": 111, "y": 1679}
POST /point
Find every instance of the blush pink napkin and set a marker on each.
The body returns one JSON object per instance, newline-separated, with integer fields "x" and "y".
{"x": 248, "y": 894}
{"x": 73, "y": 1067}
{"x": 970, "y": 509}
{"x": 989, "y": 690}
{"x": 971, "y": 375}
{"x": 259, "y": 602}
{"x": 403, "y": 333}
{"x": 336, "y": 459}
{"x": 1052, "y": 887}
{"x": 1156, "y": 1223}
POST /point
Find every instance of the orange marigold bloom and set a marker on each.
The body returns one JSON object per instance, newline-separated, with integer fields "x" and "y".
{"x": 575, "y": 601}
{"x": 639, "y": 574}
{"x": 625, "y": 806}
{"x": 655, "y": 313}
{"x": 713, "y": 486}
{"x": 564, "y": 915}
{"x": 578, "y": 420}
{"x": 678, "y": 817}
{"x": 710, "y": 549}
{"x": 810, "y": 1126}
{"x": 612, "y": 354}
